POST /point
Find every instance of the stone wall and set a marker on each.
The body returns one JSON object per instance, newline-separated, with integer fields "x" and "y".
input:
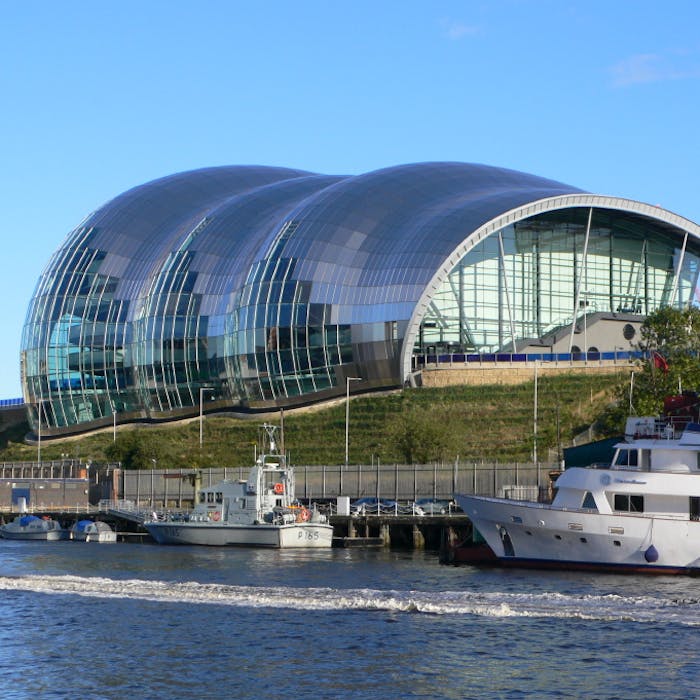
{"x": 496, "y": 373}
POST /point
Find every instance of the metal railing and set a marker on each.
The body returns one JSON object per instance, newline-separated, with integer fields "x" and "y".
{"x": 453, "y": 359}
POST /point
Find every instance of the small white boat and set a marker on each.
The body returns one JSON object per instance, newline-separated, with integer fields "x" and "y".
{"x": 32, "y": 527}
{"x": 639, "y": 514}
{"x": 258, "y": 512}
{"x": 92, "y": 531}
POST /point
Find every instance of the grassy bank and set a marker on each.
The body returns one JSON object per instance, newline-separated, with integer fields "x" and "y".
{"x": 493, "y": 423}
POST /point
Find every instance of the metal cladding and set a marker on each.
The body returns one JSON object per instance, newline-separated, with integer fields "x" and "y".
{"x": 251, "y": 288}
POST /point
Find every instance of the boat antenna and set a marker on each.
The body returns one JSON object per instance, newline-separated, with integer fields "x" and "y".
{"x": 270, "y": 430}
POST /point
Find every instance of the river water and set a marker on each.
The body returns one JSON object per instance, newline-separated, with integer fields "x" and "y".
{"x": 144, "y": 621}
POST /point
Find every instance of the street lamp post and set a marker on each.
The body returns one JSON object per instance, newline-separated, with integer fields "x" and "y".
{"x": 585, "y": 324}
{"x": 534, "y": 424}
{"x": 38, "y": 456}
{"x": 202, "y": 389}
{"x": 347, "y": 413}
{"x": 114, "y": 422}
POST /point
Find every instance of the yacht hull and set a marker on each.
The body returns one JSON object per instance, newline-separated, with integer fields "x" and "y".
{"x": 534, "y": 535}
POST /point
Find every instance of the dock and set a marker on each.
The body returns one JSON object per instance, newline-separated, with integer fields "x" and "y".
{"x": 430, "y": 532}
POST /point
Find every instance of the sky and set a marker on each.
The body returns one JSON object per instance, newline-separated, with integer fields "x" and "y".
{"x": 98, "y": 97}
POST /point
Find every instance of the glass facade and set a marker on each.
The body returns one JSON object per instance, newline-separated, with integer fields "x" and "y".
{"x": 253, "y": 288}
{"x": 538, "y": 275}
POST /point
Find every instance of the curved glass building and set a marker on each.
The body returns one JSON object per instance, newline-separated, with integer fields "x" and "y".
{"x": 254, "y": 288}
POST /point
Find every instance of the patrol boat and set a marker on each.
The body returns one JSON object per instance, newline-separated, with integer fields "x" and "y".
{"x": 641, "y": 513}
{"x": 258, "y": 512}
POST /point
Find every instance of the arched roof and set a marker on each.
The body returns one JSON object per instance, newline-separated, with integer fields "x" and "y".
{"x": 377, "y": 238}
{"x": 197, "y": 267}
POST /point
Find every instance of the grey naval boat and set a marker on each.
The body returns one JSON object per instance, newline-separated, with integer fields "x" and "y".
{"x": 258, "y": 512}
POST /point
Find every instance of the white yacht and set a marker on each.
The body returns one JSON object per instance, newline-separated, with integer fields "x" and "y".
{"x": 639, "y": 514}
{"x": 32, "y": 527}
{"x": 258, "y": 512}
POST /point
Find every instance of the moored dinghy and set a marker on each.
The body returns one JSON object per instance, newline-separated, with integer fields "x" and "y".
{"x": 258, "y": 512}
{"x": 92, "y": 531}
{"x": 32, "y": 527}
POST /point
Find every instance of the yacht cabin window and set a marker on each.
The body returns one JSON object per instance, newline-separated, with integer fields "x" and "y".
{"x": 589, "y": 501}
{"x": 626, "y": 458}
{"x": 628, "y": 503}
{"x": 219, "y": 497}
{"x": 694, "y": 508}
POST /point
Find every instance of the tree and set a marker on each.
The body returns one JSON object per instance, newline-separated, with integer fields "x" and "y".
{"x": 421, "y": 436}
{"x": 134, "y": 450}
{"x": 670, "y": 341}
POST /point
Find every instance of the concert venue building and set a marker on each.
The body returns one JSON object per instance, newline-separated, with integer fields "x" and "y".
{"x": 249, "y": 288}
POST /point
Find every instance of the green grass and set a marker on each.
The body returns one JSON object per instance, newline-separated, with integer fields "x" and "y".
{"x": 490, "y": 423}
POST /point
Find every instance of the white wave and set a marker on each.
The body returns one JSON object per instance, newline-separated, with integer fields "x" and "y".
{"x": 488, "y": 604}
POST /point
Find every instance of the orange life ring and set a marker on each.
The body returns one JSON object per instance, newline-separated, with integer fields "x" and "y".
{"x": 304, "y": 514}
{"x": 215, "y": 515}
{"x": 278, "y": 488}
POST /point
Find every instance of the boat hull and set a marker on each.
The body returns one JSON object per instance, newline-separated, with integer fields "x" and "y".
{"x": 94, "y": 536}
{"x": 533, "y": 535}
{"x": 297, "y": 535}
{"x": 41, "y": 535}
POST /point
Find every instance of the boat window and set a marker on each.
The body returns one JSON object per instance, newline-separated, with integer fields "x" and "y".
{"x": 626, "y": 458}
{"x": 219, "y": 497}
{"x": 629, "y": 504}
{"x": 589, "y": 501}
{"x": 210, "y": 497}
{"x": 202, "y": 497}
{"x": 694, "y": 508}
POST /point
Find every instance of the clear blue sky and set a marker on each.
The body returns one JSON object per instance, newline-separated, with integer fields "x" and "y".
{"x": 98, "y": 97}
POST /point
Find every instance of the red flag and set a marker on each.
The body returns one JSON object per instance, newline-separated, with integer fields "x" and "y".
{"x": 660, "y": 362}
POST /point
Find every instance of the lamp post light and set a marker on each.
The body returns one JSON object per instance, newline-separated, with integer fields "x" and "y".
{"x": 38, "y": 456}
{"x": 534, "y": 423}
{"x": 347, "y": 413}
{"x": 114, "y": 421}
{"x": 202, "y": 389}
{"x": 585, "y": 324}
